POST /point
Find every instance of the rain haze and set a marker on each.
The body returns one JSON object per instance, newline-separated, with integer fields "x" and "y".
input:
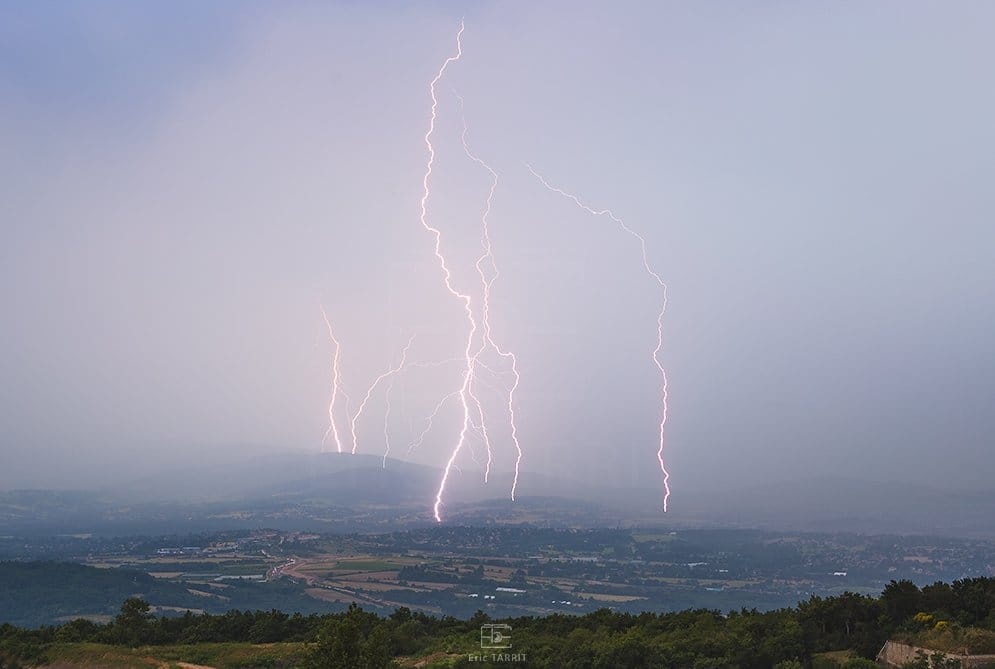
{"x": 184, "y": 190}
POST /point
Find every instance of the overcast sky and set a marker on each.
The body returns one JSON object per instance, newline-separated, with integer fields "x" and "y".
{"x": 185, "y": 184}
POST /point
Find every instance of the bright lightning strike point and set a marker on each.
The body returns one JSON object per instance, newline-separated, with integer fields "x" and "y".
{"x": 659, "y": 318}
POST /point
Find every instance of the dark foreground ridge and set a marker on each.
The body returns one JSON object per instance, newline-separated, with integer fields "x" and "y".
{"x": 822, "y": 633}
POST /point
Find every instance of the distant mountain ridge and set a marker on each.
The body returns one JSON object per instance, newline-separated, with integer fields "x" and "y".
{"x": 272, "y": 489}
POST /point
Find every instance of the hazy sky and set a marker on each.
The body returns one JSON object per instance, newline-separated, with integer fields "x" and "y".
{"x": 184, "y": 184}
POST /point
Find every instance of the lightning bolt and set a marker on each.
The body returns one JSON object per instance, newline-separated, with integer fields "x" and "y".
{"x": 336, "y": 384}
{"x": 464, "y": 392}
{"x": 488, "y": 273}
{"x": 390, "y": 387}
{"x": 428, "y": 421}
{"x": 487, "y": 257}
{"x": 386, "y": 422}
{"x": 659, "y": 319}
{"x": 373, "y": 386}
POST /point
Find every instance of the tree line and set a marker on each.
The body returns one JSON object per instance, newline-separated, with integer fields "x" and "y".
{"x": 959, "y": 614}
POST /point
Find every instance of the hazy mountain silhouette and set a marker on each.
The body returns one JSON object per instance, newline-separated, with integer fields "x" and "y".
{"x": 272, "y": 486}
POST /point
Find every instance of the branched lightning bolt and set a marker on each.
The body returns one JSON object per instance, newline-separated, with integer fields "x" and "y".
{"x": 434, "y": 363}
{"x": 428, "y": 421}
{"x": 376, "y": 382}
{"x": 473, "y": 351}
{"x": 659, "y": 318}
{"x": 487, "y": 257}
{"x": 464, "y": 392}
{"x": 390, "y": 387}
{"x": 336, "y": 382}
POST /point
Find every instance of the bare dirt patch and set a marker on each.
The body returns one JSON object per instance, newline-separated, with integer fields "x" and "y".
{"x": 329, "y": 595}
{"x": 415, "y": 662}
{"x": 608, "y": 598}
{"x": 376, "y": 587}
